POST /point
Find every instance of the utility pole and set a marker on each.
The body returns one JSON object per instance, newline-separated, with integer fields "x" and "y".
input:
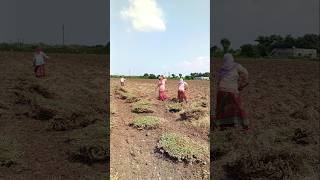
{"x": 62, "y": 34}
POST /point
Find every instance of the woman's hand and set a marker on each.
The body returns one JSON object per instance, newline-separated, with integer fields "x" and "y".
{"x": 243, "y": 86}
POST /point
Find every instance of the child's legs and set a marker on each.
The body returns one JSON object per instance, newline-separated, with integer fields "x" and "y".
{"x": 180, "y": 96}
{"x": 42, "y": 70}
{"x": 37, "y": 71}
{"x": 185, "y": 96}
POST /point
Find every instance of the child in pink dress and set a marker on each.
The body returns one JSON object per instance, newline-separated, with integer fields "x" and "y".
{"x": 162, "y": 88}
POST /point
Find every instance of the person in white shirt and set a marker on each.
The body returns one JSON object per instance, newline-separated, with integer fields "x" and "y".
{"x": 39, "y": 62}
{"x": 122, "y": 80}
{"x": 232, "y": 78}
{"x": 182, "y": 87}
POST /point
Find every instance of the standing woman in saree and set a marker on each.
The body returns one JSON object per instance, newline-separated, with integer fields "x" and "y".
{"x": 162, "y": 88}
{"x": 232, "y": 78}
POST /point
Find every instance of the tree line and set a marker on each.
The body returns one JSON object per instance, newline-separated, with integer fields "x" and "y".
{"x": 265, "y": 44}
{"x": 191, "y": 76}
{"x": 70, "y": 49}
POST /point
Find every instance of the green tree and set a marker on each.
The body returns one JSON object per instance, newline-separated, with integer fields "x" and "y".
{"x": 264, "y": 45}
{"x": 213, "y": 50}
{"x": 289, "y": 42}
{"x": 247, "y": 50}
{"x": 225, "y": 43}
{"x": 188, "y": 77}
{"x": 146, "y": 75}
{"x": 152, "y": 76}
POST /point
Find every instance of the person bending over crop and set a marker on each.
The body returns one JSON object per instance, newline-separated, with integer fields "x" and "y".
{"x": 182, "y": 87}
{"x": 232, "y": 78}
{"x": 39, "y": 62}
{"x": 161, "y": 85}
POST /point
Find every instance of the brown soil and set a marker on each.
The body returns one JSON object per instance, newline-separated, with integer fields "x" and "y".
{"x": 133, "y": 152}
{"x": 72, "y": 94}
{"x": 282, "y": 102}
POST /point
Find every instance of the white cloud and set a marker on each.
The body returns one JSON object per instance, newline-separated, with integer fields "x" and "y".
{"x": 145, "y": 15}
{"x": 199, "y": 64}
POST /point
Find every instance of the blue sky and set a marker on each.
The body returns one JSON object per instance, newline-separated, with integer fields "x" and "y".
{"x": 159, "y": 36}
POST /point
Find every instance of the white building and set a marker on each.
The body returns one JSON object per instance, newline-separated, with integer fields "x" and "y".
{"x": 294, "y": 52}
{"x": 202, "y": 78}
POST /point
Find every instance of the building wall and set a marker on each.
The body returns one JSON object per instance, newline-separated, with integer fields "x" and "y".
{"x": 283, "y": 53}
{"x": 202, "y": 78}
{"x": 295, "y": 52}
{"x": 310, "y": 53}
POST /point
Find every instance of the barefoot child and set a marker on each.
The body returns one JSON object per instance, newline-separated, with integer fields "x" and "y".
{"x": 39, "y": 62}
{"x": 122, "y": 80}
{"x": 182, "y": 87}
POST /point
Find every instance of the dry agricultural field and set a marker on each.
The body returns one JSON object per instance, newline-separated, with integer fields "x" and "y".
{"x": 54, "y": 127}
{"x": 151, "y": 139}
{"x": 282, "y": 102}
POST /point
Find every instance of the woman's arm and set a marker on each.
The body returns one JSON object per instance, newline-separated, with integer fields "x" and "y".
{"x": 244, "y": 80}
{"x": 45, "y": 55}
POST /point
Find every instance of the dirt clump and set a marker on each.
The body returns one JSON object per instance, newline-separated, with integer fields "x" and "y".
{"x": 74, "y": 121}
{"x": 266, "y": 165}
{"x": 146, "y": 122}
{"x": 302, "y": 137}
{"x": 126, "y": 95}
{"x": 43, "y": 114}
{"x": 181, "y": 148}
{"x": 174, "y": 107}
{"x": 142, "y": 107}
{"x": 10, "y": 151}
{"x": 22, "y": 99}
{"x": 193, "y": 114}
{"x": 36, "y": 88}
{"x": 90, "y": 155}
